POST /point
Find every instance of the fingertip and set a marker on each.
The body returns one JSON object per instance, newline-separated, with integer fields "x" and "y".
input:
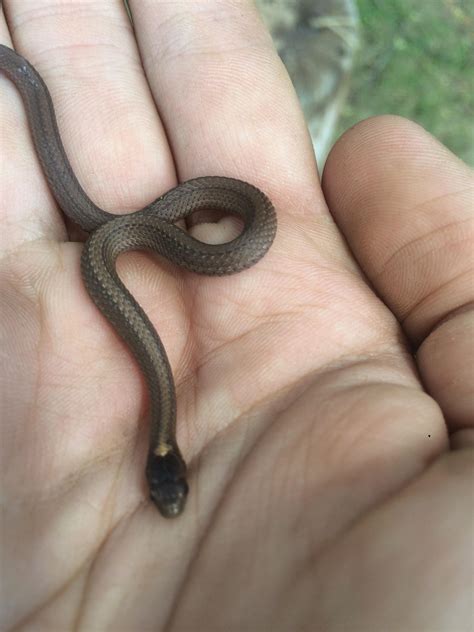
{"x": 383, "y": 146}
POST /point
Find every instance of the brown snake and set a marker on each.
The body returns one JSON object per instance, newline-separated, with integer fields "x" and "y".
{"x": 151, "y": 228}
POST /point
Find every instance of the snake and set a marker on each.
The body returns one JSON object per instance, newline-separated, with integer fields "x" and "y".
{"x": 153, "y": 229}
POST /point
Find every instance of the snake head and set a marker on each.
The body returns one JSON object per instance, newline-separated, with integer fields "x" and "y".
{"x": 166, "y": 477}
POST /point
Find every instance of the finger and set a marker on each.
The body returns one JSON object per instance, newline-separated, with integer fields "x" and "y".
{"x": 86, "y": 53}
{"x": 229, "y": 109}
{"x": 404, "y": 203}
{"x": 226, "y": 99}
{"x": 25, "y": 200}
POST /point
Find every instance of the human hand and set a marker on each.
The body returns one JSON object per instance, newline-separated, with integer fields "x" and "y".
{"x": 324, "y": 494}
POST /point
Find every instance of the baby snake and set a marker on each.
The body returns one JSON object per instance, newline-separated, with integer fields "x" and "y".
{"x": 151, "y": 228}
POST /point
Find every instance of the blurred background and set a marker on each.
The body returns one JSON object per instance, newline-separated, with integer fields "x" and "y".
{"x": 416, "y": 59}
{"x": 357, "y": 58}
{"x": 351, "y": 59}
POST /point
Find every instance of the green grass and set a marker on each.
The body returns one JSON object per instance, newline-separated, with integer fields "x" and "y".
{"x": 416, "y": 60}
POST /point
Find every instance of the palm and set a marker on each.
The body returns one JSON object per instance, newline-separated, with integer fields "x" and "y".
{"x": 299, "y": 411}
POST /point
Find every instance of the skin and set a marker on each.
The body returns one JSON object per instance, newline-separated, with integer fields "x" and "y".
{"x": 330, "y": 468}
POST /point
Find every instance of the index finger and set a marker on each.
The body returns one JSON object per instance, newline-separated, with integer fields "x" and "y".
{"x": 225, "y": 98}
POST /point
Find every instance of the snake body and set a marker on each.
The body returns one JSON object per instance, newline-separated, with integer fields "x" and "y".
{"x": 153, "y": 229}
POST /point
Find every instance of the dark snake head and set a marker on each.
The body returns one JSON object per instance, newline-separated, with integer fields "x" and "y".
{"x": 167, "y": 481}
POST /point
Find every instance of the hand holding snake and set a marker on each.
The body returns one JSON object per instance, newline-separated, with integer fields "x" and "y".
{"x": 153, "y": 228}
{"x": 324, "y": 483}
